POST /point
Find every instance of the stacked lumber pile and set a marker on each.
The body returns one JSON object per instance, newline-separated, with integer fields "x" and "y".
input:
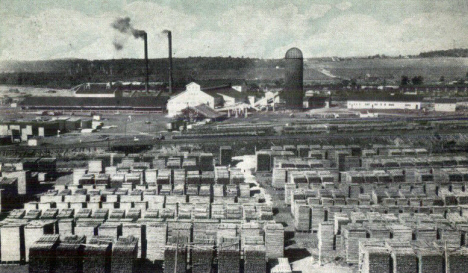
{"x": 233, "y": 211}
{"x": 403, "y": 256}
{"x": 124, "y": 255}
{"x": 97, "y": 256}
{"x": 207, "y": 177}
{"x": 352, "y": 234}
{"x": 83, "y": 213}
{"x": 430, "y": 260}
{"x": 229, "y": 255}
{"x": 202, "y": 254}
{"x": 451, "y": 236}
{"x": 374, "y": 257}
{"x": 426, "y": 233}
{"x": 156, "y": 234}
{"x": 274, "y": 240}
{"x": 401, "y": 232}
{"x": 254, "y": 259}
{"x": 317, "y": 216}
{"x": 152, "y": 214}
{"x": 50, "y": 214}
{"x": 135, "y": 230}
{"x": 175, "y": 256}
{"x": 325, "y": 239}
{"x": 69, "y": 254}
{"x": 377, "y": 231}
{"x": 457, "y": 261}
{"x": 133, "y": 214}
{"x": 302, "y": 216}
{"x": 42, "y": 254}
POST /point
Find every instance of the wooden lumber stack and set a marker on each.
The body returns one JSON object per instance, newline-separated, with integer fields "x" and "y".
{"x": 156, "y": 236}
{"x": 229, "y": 255}
{"x": 254, "y": 259}
{"x": 124, "y": 255}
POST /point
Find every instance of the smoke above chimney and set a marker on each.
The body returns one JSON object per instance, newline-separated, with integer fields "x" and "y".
{"x": 117, "y": 44}
{"x": 124, "y": 26}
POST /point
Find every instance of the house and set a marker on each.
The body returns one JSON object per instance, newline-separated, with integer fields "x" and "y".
{"x": 445, "y": 105}
{"x": 386, "y": 103}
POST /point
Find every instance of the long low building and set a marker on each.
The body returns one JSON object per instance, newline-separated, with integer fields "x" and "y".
{"x": 386, "y": 103}
{"x": 150, "y": 104}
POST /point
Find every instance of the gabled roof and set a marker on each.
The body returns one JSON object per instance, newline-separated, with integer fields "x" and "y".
{"x": 225, "y": 91}
{"x": 215, "y": 95}
{"x": 207, "y": 111}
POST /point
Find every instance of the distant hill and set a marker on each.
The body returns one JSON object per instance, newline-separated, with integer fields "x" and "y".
{"x": 212, "y": 71}
{"x": 205, "y": 70}
{"x": 456, "y": 52}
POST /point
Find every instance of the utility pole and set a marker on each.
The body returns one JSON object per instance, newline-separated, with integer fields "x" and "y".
{"x": 176, "y": 253}
{"x": 125, "y": 128}
{"x": 446, "y": 257}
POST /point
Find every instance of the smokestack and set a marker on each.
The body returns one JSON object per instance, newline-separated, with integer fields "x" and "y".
{"x": 145, "y": 39}
{"x": 124, "y": 26}
{"x": 169, "y": 37}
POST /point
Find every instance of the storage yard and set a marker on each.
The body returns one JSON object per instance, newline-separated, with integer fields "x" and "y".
{"x": 380, "y": 205}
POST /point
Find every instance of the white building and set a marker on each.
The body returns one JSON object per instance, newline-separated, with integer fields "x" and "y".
{"x": 391, "y": 103}
{"x": 445, "y": 105}
{"x": 191, "y": 97}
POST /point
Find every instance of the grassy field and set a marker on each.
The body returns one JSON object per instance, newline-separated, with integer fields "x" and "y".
{"x": 430, "y": 68}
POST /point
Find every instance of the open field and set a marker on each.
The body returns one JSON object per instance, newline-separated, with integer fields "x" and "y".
{"x": 22, "y": 91}
{"x": 430, "y": 68}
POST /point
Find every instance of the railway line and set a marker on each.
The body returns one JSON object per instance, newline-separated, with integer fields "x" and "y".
{"x": 217, "y": 140}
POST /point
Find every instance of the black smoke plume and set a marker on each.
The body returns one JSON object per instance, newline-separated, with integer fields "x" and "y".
{"x": 118, "y": 45}
{"x": 124, "y": 26}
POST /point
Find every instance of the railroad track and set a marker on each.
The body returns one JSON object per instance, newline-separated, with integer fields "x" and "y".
{"x": 121, "y": 143}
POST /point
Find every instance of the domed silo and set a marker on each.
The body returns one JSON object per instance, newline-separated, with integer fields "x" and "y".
{"x": 293, "y": 92}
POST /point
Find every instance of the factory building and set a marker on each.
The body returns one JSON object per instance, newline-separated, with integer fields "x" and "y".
{"x": 192, "y": 96}
{"x": 144, "y": 104}
{"x": 293, "y": 91}
{"x": 97, "y": 90}
{"x": 445, "y": 105}
{"x": 386, "y": 103}
{"x": 214, "y": 97}
{"x": 314, "y": 102}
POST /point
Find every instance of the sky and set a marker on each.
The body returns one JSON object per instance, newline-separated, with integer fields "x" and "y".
{"x": 60, "y": 29}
